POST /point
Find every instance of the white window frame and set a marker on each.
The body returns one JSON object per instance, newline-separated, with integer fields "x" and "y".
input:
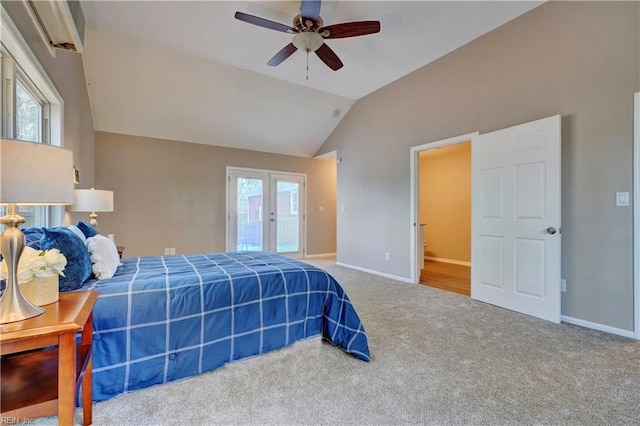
{"x": 29, "y": 87}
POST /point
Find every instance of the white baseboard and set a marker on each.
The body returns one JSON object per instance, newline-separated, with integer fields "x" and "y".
{"x": 455, "y": 262}
{"x": 311, "y": 256}
{"x": 371, "y": 271}
{"x": 599, "y": 327}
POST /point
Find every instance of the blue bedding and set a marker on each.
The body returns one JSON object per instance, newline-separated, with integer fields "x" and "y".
{"x": 165, "y": 318}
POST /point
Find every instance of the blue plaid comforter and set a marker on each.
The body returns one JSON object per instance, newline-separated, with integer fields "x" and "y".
{"x": 165, "y": 318}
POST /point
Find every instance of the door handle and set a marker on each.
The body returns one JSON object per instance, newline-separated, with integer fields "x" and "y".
{"x": 551, "y": 230}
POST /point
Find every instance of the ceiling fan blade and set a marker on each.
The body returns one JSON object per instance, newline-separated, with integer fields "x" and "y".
{"x": 265, "y": 23}
{"x": 310, "y": 9}
{"x": 329, "y": 57}
{"x": 283, "y": 54}
{"x": 351, "y": 29}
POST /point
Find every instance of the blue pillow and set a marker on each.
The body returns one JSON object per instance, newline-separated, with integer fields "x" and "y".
{"x": 88, "y": 230}
{"x": 78, "y": 268}
{"x": 32, "y": 237}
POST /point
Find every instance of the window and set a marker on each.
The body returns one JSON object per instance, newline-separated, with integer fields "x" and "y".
{"x": 29, "y": 111}
{"x": 30, "y": 108}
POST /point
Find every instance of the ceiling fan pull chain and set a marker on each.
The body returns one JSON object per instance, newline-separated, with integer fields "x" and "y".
{"x": 307, "y": 65}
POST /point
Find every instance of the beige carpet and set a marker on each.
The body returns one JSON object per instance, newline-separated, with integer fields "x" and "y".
{"x": 437, "y": 358}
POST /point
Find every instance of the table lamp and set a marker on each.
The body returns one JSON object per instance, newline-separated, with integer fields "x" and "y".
{"x": 30, "y": 174}
{"x": 92, "y": 200}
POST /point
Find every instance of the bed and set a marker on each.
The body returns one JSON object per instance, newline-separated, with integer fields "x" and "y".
{"x": 160, "y": 319}
{"x": 164, "y": 318}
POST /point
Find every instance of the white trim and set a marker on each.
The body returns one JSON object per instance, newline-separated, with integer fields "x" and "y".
{"x": 596, "y": 326}
{"x": 455, "y": 262}
{"x": 382, "y": 274}
{"x": 38, "y": 26}
{"x": 636, "y": 213}
{"x": 415, "y": 251}
{"x": 253, "y": 170}
{"x": 315, "y": 256}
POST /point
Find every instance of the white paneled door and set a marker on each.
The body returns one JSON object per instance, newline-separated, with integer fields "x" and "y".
{"x": 266, "y": 212}
{"x": 515, "y": 250}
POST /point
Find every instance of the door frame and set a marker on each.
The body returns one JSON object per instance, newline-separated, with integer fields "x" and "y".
{"x": 227, "y": 213}
{"x": 636, "y": 214}
{"x": 416, "y": 247}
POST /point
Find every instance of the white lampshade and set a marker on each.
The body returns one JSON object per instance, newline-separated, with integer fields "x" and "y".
{"x": 35, "y": 173}
{"x": 92, "y": 200}
{"x": 30, "y": 174}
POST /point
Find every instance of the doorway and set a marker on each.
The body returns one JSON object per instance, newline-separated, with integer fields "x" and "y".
{"x": 444, "y": 200}
{"x": 266, "y": 211}
{"x": 416, "y": 237}
{"x": 515, "y": 237}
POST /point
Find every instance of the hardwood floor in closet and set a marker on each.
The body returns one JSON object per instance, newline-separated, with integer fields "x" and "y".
{"x": 447, "y": 276}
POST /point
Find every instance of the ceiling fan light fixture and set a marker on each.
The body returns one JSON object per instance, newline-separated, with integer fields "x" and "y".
{"x": 308, "y": 41}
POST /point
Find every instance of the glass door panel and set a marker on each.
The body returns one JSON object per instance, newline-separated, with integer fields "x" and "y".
{"x": 287, "y": 216}
{"x": 249, "y": 214}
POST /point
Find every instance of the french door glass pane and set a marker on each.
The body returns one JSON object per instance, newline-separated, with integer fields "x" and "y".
{"x": 287, "y": 240}
{"x": 250, "y": 206}
{"x": 28, "y": 115}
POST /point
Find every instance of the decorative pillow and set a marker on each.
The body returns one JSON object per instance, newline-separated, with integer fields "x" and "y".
{"x": 78, "y": 232}
{"x": 104, "y": 256}
{"x": 87, "y": 229}
{"x": 78, "y": 268}
{"x": 32, "y": 237}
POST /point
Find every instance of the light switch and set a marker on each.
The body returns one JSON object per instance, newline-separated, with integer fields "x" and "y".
{"x": 320, "y": 209}
{"x": 622, "y": 199}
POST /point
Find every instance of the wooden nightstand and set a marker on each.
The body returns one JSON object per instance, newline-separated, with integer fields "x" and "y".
{"x": 38, "y": 382}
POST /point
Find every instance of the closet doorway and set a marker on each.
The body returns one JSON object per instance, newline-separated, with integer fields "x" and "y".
{"x": 444, "y": 208}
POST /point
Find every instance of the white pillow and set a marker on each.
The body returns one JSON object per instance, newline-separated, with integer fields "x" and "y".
{"x": 104, "y": 256}
{"x": 78, "y": 232}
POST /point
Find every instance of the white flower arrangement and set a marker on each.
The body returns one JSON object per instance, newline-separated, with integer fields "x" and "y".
{"x": 37, "y": 264}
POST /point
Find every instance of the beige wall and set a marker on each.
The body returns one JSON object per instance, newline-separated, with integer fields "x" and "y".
{"x": 173, "y": 194}
{"x": 577, "y": 59}
{"x": 445, "y": 201}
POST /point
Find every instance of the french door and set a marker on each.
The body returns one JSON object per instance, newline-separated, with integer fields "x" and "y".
{"x": 266, "y": 211}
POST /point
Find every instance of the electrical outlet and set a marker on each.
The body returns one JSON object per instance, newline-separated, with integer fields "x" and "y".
{"x": 169, "y": 250}
{"x": 386, "y": 256}
{"x": 563, "y": 285}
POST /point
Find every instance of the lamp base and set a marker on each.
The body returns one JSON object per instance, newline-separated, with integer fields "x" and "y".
{"x": 93, "y": 219}
{"x": 12, "y": 309}
{"x": 13, "y": 305}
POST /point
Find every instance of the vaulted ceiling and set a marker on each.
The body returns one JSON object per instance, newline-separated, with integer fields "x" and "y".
{"x": 190, "y": 71}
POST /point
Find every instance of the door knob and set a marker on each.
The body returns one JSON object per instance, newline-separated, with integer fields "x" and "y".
{"x": 551, "y": 230}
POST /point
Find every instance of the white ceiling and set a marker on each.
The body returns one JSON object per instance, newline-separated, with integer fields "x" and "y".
{"x": 189, "y": 71}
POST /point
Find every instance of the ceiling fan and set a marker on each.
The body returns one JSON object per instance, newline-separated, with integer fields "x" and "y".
{"x": 310, "y": 33}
